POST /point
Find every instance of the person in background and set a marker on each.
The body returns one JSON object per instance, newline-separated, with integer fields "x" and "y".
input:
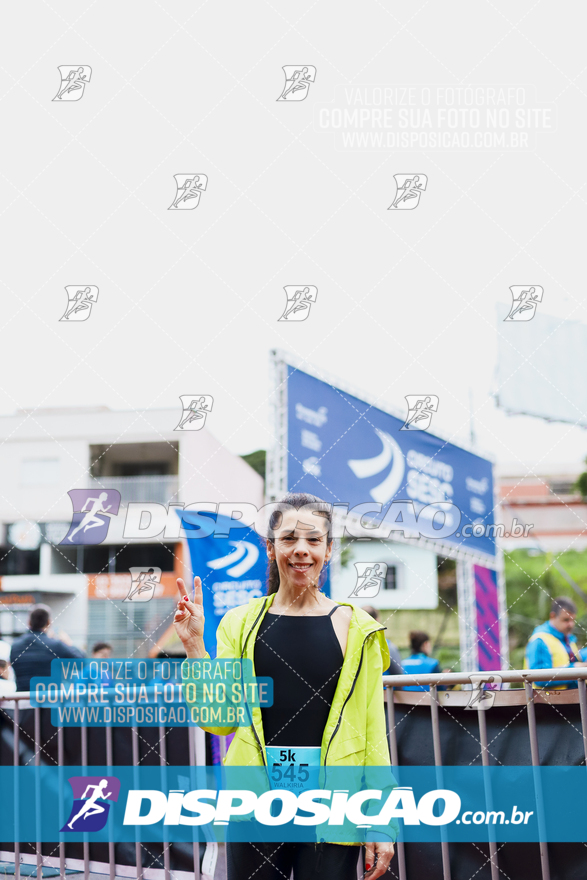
{"x": 103, "y": 651}
{"x": 420, "y": 661}
{"x": 6, "y": 685}
{"x": 553, "y": 645}
{"x": 4, "y": 650}
{"x": 395, "y": 660}
{"x": 31, "y": 654}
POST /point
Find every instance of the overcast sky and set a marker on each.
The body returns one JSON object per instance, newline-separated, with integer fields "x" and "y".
{"x": 189, "y": 300}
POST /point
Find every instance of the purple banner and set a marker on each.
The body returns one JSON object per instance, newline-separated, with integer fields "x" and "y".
{"x": 488, "y": 622}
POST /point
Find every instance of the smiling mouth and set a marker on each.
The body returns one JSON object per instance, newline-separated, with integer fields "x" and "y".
{"x": 301, "y": 566}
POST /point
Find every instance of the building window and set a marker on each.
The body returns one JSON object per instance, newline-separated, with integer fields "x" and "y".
{"x": 15, "y": 561}
{"x": 390, "y": 578}
{"x": 160, "y": 555}
{"x": 119, "y": 558}
{"x": 562, "y": 487}
{"x": 39, "y": 471}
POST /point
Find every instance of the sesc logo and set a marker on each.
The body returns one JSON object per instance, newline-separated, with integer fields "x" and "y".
{"x": 90, "y": 805}
{"x": 390, "y": 457}
{"x": 238, "y": 561}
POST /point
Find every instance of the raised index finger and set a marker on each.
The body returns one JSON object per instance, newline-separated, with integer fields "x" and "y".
{"x": 181, "y": 588}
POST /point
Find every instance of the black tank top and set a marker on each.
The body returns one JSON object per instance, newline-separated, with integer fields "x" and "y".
{"x": 304, "y": 658}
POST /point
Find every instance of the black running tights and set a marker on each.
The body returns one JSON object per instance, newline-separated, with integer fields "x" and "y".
{"x": 275, "y": 861}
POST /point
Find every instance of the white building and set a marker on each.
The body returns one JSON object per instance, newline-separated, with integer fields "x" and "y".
{"x": 46, "y": 453}
{"x": 410, "y": 582}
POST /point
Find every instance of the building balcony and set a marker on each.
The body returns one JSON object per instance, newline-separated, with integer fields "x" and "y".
{"x": 162, "y": 488}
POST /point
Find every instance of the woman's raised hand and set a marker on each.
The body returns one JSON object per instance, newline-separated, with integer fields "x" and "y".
{"x": 189, "y": 617}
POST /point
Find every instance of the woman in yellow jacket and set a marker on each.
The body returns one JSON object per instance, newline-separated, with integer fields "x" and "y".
{"x": 326, "y": 661}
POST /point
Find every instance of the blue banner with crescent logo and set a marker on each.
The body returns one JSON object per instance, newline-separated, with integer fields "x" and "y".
{"x": 233, "y": 569}
{"x": 346, "y": 451}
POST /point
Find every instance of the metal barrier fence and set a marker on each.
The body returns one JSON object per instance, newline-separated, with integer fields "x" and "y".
{"x": 16, "y": 704}
{"x": 529, "y": 696}
{"x": 435, "y": 699}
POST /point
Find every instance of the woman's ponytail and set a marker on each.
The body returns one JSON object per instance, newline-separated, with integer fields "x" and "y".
{"x": 272, "y": 578}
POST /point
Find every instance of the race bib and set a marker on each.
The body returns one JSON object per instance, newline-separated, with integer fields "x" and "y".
{"x": 295, "y": 768}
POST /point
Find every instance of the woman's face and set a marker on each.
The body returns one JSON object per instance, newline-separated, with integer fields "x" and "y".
{"x": 301, "y": 547}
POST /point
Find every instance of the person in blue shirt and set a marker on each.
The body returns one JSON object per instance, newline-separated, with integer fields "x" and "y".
{"x": 552, "y": 644}
{"x": 420, "y": 661}
{"x": 31, "y": 654}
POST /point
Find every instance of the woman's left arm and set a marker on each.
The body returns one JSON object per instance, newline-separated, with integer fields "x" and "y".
{"x": 377, "y": 754}
{"x": 376, "y": 747}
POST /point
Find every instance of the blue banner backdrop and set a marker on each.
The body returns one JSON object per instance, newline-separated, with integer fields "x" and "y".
{"x": 344, "y": 450}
